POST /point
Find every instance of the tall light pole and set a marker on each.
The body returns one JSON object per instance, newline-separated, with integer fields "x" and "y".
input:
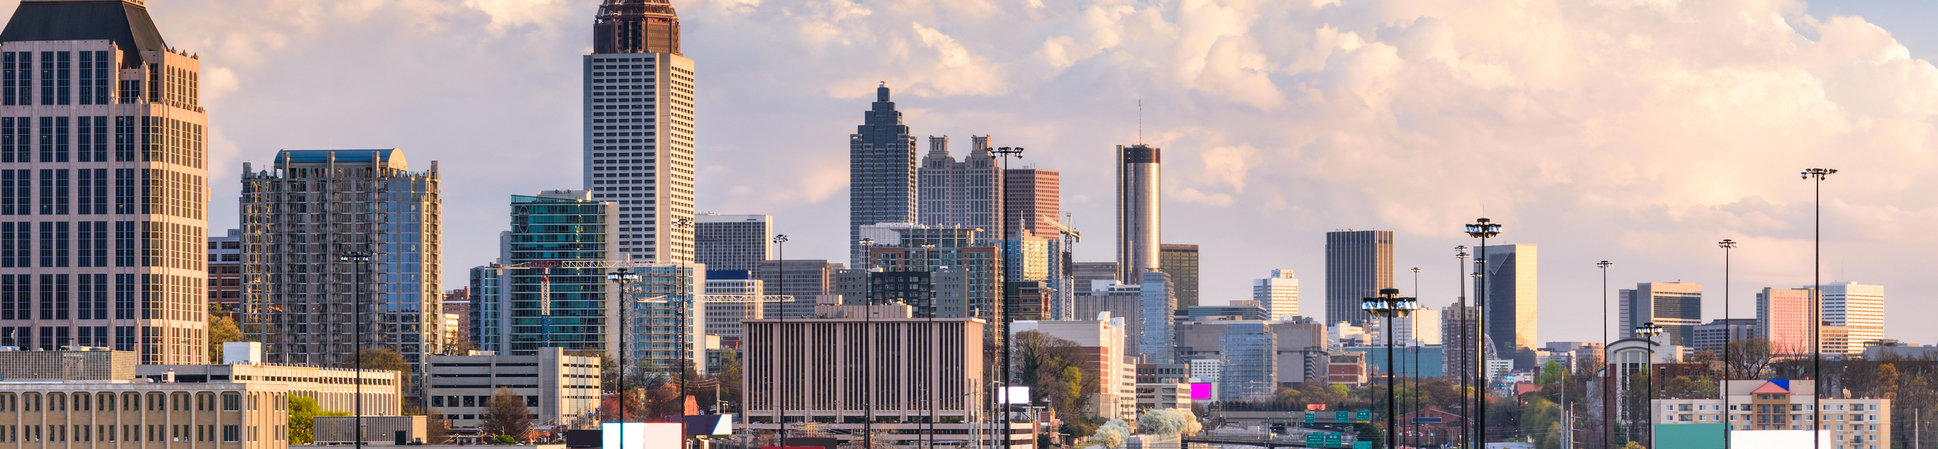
{"x": 685, "y": 301}
{"x": 362, "y": 261}
{"x": 780, "y": 396}
{"x": 868, "y": 320}
{"x": 1608, "y": 418}
{"x": 1650, "y": 330}
{"x": 624, "y": 277}
{"x": 1389, "y": 305}
{"x": 1816, "y": 176}
{"x": 1482, "y": 228}
{"x": 1005, "y": 154}
{"x": 1729, "y": 417}
{"x": 1414, "y": 346}
{"x": 1460, "y": 254}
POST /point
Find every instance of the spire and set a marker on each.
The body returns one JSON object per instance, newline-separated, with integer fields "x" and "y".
{"x": 636, "y": 26}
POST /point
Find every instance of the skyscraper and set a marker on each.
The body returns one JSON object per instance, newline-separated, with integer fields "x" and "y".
{"x": 1511, "y": 291}
{"x": 881, "y": 172}
{"x": 1859, "y": 308}
{"x": 1676, "y": 306}
{"x": 300, "y": 300}
{"x": 125, "y": 270}
{"x": 733, "y": 242}
{"x": 1278, "y": 294}
{"x": 1783, "y": 318}
{"x": 1029, "y": 197}
{"x": 1358, "y": 265}
{"x": 1157, "y": 302}
{"x": 1181, "y": 262}
{"x": 639, "y": 130}
{"x": 966, "y": 193}
{"x": 1138, "y": 208}
{"x": 540, "y": 299}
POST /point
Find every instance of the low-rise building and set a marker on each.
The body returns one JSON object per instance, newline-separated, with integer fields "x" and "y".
{"x": 1347, "y": 369}
{"x": 92, "y": 399}
{"x": 333, "y": 388}
{"x": 1163, "y": 395}
{"x": 1785, "y": 404}
{"x": 561, "y": 390}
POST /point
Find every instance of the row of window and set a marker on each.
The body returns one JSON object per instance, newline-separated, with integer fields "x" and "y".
{"x": 156, "y": 402}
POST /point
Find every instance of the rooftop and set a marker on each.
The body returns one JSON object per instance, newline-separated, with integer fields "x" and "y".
{"x": 125, "y": 22}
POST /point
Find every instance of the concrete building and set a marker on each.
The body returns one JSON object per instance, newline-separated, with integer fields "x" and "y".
{"x": 881, "y": 171}
{"x": 966, "y": 193}
{"x": 125, "y": 413}
{"x": 1676, "y": 306}
{"x": 1783, "y": 318}
{"x": 1181, "y": 262}
{"x": 1032, "y": 197}
{"x": 1278, "y": 294}
{"x": 932, "y": 367}
{"x": 733, "y": 242}
{"x": 904, "y": 247}
{"x": 225, "y": 270}
{"x": 1419, "y": 328}
{"x": 639, "y": 127}
{"x": 1512, "y": 289}
{"x": 1101, "y": 342}
{"x": 458, "y": 321}
{"x": 1138, "y": 210}
{"x": 1234, "y": 311}
{"x": 1859, "y": 308}
{"x": 1785, "y": 404}
{"x": 301, "y": 299}
{"x": 1088, "y": 274}
{"x": 1358, "y": 265}
{"x": 550, "y": 287}
{"x": 1298, "y": 347}
{"x": 1163, "y": 395}
{"x": 800, "y": 278}
{"x": 122, "y": 270}
{"x": 332, "y": 388}
{"x": 1457, "y": 334}
{"x": 1120, "y": 301}
{"x": 562, "y": 390}
{"x": 1710, "y": 337}
{"x": 1156, "y": 301}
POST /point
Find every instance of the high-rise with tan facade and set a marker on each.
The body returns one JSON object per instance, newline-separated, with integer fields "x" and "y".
{"x": 103, "y": 183}
{"x": 639, "y": 127}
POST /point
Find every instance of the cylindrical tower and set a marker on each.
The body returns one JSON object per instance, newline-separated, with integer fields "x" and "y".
{"x": 1137, "y": 210}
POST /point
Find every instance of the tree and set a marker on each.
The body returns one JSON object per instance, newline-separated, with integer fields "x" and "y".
{"x": 728, "y": 379}
{"x": 1168, "y": 422}
{"x": 222, "y": 329}
{"x": 437, "y": 430}
{"x": 1748, "y": 358}
{"x": 302, "y": 419}
{"x": 379, "y": 358}
{"x": 1111, "y": 434}
{"x": 506, "y": 415}
{"x": 1374, "y": 433}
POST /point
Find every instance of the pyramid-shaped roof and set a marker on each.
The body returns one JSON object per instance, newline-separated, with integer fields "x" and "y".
{"x": 1771, "y": 387}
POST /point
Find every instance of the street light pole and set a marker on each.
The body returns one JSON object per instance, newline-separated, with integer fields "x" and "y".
{"x": 1005, "y": 154}
{"x": 684, "y": 301}
{"x": 780, "y": 354}
{"x": 1460, "y": 253}
{"x": 1413, "y": 429}
{"x": 1482, "y": 228}
{"x": 1650, "y": 330}
{"x": 868, "y": 320}
{"x": 1817, "y": 175}
{"x": 1608, "y": 418}
{"x": 1729, "y": 417}
{"x": 362, "y": 261}
{"x": 1389, "y": 305}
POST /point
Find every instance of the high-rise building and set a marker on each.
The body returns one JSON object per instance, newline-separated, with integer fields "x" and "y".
{"x": 1456, "y": 333}
{"x": 93, "y": 101}
{"x": 1119, "y": 301}
{"x": 733, "y": 242}
{"x": 802, "y": 279}
{"x": 904, "y": 247}
{"x": 1088, "y": 274}
{"x": 1512, "y": 288}
{"x": 551, "y": 288}
{"x": 966, "y": 193}
{"x": 1138, "y": 210}
{"x": 1248, "y": 362}
{"x": 881, "y": 172}
{"x": 1783, "y": 318}
{"x": 225, "y": 270}
{"x": 457, "y": 319}
{"x": 639, "y": 130}
{"x": 1278, "y": 294}
{"x": 1859, "y": 308}
{"x": 300, "y": 298}
{"x": 1032, "y": 197}
{"x": 1358, "y": 265}
{"x": 1419, "y": 328}
{"x": 666, "y": 322}
{"x": 1181, "y": 262}
{"x": 1676, "y": 306}
{"x": 1711, "y": 336}
{"x": 1157, "y": 301}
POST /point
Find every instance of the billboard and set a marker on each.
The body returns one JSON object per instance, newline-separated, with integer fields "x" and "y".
{"x": 1200, "y": 391}
{"x": 640, "y": 435}
{"x": 1013, "y": 395}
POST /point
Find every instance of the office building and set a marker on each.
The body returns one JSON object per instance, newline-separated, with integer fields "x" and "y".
{"x": 1220, "y": 313}
{"x": 905, "y": 247}
{"x": 881, "y": 171}
{"x": 1710, "y": 337}
{"x": 1358, "y": 265}
{"x": 1033, "y": 201}
{"x": 1278, "y": 294}
{"x": 930, "y": 367}
{"x": 1181, "y": 262}
{"x": 1138, "y": 210}
{"x": 1457, "y": 333}
{"x": 562, "y": 390}
{"x": 331, "y": 388}
{"x": 1347, "y": 369}
{"x": 733, "y": 242}
{"x": 225, "y": 271}
{"x": 76, "y": 407}
{"x": 1785, "y": 404}
{"x": 550, "y": 287}
{"x": 799, "y": 278}
{"x": 966, "y": 193}
{"x": 1676, "y": 306}
{"x": 1118, "y": 301}
{"x": 1248, "y": 362}
{"x": 1101, "y": 345}
{"x": 1299, "y": 348}
{"x": 666, "y": 322}
{"x": 1859, "y": 308}
{"x": 1174, "y": 394}
{"x": 1419, "y": 328}
{"x": 1156, "y": 302}
{"x": 1783, "y": 318}
{"x": 458, "y": 320}
{"x": 1510, "y": 301}
{"x": 122, "y": 270}
{"x": 1087, "y": 275}
{"x": 639, "y": 130}
{"x": 1408, "y": 361}
{"x": 301, "y": 299}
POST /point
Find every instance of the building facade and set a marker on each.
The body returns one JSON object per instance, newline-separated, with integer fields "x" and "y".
{"x": 1181, "y": 262}
{"x": 562, "y": 390}
{"x": 550, "y": 286}
{"x": 1138, "y": 210}
{"x": 301, "y": 298}
{"x": 666, "y": 322}
{"x": 225, "y": 270}
{"x": 93, "y": 101}
{"x": 1712, "y": 336}
{"x": 1101, "y": 344}
{"x": 1859, "y": 308}
{"x": 966, "y": 193}
{"x": 1157, "y": 299}
{"x": 1512, "y": 288}
{"x": 733, "y": 242}
{"x": 1783, "y": 318}
{"x": 639, "y": 127}
{"x": 1358, "y": 265}
{"x": 1676, "y": 306}
{"x": 1785, "y": 404}
{"x": 1032, "y": 198}
{"x": 1278, "y": 294}
{"x": 881, "y": 171}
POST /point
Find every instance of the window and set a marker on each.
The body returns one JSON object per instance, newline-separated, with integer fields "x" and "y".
{"x": 231, "y": 402}
{"x": 231, "y": 433}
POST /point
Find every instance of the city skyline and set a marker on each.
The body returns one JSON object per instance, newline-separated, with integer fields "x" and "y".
{"x": 1221, "y": 174}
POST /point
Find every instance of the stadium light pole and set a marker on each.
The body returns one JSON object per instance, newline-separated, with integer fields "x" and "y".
{"x": 1481, "y": 228}
{"x": 624, "y": 277}
{"x": 780, "y": 399}
{"x": 1460, "y": 254}
{"x": 362, "y": 261}
{"x": 1817, "y": 176}
{"x": 1389, "y": 305}
{"x": 1650, "y": 330}
{"x": 1608, "y": 418}
{"x": 1729, "y": 418}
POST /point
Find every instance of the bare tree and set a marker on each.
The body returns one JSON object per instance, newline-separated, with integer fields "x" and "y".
{"x": 1749, "y": 358}
{"x": 506, "y": 414}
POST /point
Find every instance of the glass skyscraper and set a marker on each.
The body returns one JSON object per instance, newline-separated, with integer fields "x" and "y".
{"x": 549, "y": 288}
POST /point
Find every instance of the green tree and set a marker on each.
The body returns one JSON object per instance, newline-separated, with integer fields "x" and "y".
{"x": 302, "y": 419}
{"x": 506, "y": 415}
{"x": 728, "y": 379}
{"x": 221, "y": 330}
{"x": 1541, "y": 420}
{"x": 1374, "y": 433}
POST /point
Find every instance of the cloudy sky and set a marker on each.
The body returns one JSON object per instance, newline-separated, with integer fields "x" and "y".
{"x": 1637, "y": 131}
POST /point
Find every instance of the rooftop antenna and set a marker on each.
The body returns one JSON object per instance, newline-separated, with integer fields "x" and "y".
{"x": 1140, "y": 120}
